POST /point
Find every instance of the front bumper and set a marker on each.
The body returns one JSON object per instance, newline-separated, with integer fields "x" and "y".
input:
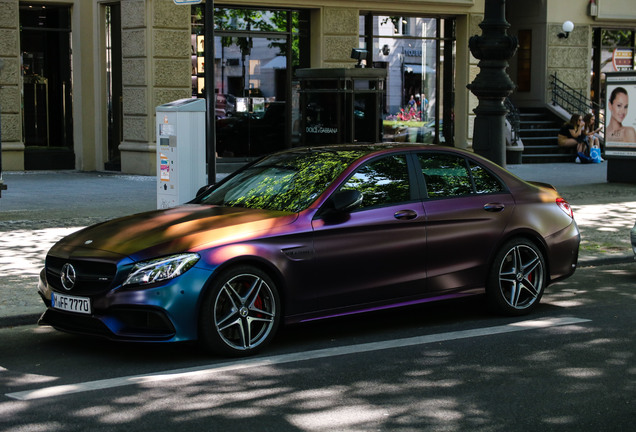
{"x": 162, "y": 313}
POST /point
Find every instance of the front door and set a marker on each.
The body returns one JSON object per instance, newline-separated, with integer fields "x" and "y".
{"x": 45, "y": 44}
{"x": 378, "y": 254}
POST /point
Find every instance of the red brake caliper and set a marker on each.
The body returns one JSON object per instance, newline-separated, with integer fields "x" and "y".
{"x": 258, "y": 303}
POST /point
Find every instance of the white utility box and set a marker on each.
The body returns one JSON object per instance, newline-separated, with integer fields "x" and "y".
{"x": 181, "y": 159}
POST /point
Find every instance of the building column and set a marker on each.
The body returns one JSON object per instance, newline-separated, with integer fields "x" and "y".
{"x": 155, "y": 70}
{"x": 11, "y": 122}
{"x": 334, "y": 32}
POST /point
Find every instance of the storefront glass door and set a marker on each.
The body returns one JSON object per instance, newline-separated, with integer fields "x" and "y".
{"x": 255, "y": 54}
{"x": 45, "y": 44}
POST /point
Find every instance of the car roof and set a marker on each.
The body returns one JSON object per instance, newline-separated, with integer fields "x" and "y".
{"x": 372, "y": 148}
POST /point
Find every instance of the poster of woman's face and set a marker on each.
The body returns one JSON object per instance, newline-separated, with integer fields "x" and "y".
{"x": 620, "y": 118}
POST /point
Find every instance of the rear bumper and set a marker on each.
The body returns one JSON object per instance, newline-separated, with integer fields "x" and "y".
{"x": 563, "y": 250}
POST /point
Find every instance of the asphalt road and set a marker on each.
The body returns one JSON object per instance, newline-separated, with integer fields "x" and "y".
{"x": 449, "y": 366}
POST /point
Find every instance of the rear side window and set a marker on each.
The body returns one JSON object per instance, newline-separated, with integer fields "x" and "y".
{"x": 448, "y": 175}
{"x": 382, "y": 182}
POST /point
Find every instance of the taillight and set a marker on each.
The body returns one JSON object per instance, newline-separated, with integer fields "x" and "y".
{"x": 565, "y": 206}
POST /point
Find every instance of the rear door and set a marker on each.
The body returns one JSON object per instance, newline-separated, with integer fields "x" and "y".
{"x": 467, "y": 210}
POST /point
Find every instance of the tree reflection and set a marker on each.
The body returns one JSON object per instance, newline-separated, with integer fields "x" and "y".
{"x": 287, "y": 182}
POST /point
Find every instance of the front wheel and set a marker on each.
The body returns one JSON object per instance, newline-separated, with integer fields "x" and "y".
{"x": 240, "y": 313}
{"x": 517, "y": 278}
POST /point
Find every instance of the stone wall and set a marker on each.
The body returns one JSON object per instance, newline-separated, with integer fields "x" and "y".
{"x": 155, "y": 70}
{"x": 11, "y": 133}
{"x": 569, "y": 57}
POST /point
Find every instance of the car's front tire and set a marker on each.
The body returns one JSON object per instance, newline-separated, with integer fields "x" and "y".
{"x": 240, "y": 312}
{"x": 517, "y": 278}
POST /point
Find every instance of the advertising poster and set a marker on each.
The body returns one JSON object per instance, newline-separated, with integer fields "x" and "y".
{"x": 620, "y": 115}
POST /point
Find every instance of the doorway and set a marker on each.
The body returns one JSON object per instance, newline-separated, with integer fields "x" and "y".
{"x": 114, "y": 93}
{"x": 45, "y": 43}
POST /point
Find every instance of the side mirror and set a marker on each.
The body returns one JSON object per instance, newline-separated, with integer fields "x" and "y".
{"x": 346, "y": 200}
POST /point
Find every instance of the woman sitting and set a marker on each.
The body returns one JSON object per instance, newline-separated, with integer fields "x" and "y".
{"x": 572, "y": 134}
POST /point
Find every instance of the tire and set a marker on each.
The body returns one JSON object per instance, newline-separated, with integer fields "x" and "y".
{"x": 517, "y": 278}
{"x": 240, "y": 312}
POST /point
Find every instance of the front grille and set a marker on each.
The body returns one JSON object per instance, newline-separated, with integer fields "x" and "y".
{"x": 92, "y": 276}
{"x": 117, "y": 324}
{"x": 74, "y": 323}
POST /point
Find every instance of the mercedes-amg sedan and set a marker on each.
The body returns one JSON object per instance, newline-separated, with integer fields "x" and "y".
{"x": 313, "y": 233}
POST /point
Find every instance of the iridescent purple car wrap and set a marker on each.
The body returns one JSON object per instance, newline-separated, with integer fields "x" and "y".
{"x": 308, "y": 234}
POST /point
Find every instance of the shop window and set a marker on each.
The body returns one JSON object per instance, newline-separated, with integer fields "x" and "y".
{"x": 256, "y": 51}
{"x": 419, "y": 56}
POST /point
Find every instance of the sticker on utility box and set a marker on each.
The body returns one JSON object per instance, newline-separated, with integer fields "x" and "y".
{"x": 164, "y": 167}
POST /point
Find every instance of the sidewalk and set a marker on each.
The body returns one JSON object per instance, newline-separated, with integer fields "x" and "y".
{"x": 38, "y": 208}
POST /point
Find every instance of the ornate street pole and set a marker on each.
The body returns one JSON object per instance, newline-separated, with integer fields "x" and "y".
{"x": 492, "y": 85}
{"x": 2, "y": 185}
{"x": 210, "y": 93}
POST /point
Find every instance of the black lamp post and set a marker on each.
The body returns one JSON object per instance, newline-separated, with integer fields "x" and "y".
{"x": 210, "y": 90}
{"x": 492, "y": 85}
{"x": 2, "y": 185}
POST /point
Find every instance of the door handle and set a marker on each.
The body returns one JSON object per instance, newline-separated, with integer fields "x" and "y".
{"x": 405, "y": 214}
{"x": 494, "y": 207}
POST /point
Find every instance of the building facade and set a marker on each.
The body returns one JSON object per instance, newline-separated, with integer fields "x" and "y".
{"x": 82, "y": 78}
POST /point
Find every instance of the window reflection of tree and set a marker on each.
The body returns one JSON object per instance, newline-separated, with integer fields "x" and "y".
{"x": 446, "y": 175}
{"x": 381, "y": 182}
{"x": 485, "y": 182}
{"x": 289, "y": 182}
{"x": 449, "y": 176}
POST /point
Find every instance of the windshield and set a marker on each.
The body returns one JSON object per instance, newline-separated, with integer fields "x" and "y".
{"x": 288, "y": 181}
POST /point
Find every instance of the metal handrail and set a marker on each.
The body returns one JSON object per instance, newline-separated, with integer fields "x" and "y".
{"x": 513, "y": 118}
{"x": 572, "y": 100}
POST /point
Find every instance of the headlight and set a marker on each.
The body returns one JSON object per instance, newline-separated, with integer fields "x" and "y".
{"x": 161, "y": 269}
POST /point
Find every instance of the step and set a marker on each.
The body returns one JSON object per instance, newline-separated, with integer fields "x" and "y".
{"x": 536, "y": 140}
{"x": 541, "y": 123}
{"x": 547, "y": 158}
{"x": 552, "y": 150}
{"x": 548, "y": 132}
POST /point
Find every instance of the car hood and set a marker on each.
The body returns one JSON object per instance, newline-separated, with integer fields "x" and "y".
{"x": 163, "y": 232}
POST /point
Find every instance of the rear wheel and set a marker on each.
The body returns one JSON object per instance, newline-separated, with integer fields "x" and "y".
{"x": 240, "y": 313}
{"x": 517, "y": 278}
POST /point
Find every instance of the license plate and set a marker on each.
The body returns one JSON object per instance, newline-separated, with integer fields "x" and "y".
{"x": 71, "y": 303}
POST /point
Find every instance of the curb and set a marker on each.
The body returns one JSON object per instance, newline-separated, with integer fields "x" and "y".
{"x": 19, "y": 320}
{"x": 601, "y": 261}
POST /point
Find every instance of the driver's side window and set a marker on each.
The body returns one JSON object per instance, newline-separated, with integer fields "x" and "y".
{"x": 381, "y": 182}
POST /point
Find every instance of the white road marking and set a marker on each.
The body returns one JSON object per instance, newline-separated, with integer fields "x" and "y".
{"x": 61, "y": 390}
